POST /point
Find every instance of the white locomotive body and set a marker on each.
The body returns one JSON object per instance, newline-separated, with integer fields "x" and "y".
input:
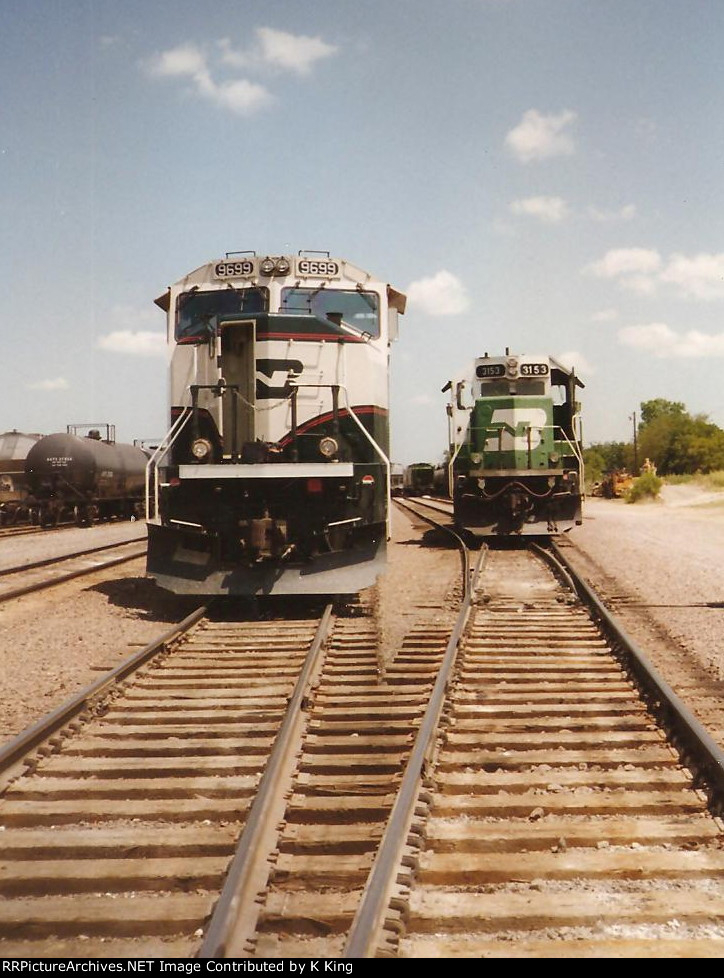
{"x": 274, "y": 476}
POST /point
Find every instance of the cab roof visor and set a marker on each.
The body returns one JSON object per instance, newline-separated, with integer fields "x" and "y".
{"x": 164, "y": 300}
{"x": 398, "y": 300}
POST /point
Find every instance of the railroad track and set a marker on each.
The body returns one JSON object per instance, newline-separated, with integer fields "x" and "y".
{"x": 556, "y": 819}
{"x": 40, "y": 574}
{"x": 17, "y": 531}
{"x": 121, "y": 828}
{"x": 120, "y": 819}
{"x": 443, "y": 507}
{"x": 499, "y": 789}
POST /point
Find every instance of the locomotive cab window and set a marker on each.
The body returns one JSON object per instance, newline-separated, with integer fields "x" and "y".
{"x": 199, "y": 314}
{"x": 562, "y": 414}
{"x": 348, "y": 311}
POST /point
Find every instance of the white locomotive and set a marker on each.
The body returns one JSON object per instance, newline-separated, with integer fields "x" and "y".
{"x": 274, "y": 476}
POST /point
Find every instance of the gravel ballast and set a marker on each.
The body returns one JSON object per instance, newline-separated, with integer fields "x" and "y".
{"x": 659, "y": 566}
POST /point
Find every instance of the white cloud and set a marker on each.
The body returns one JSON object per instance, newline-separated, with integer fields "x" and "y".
{"x": 241, "y": 96}
{"x": 273, "y": 50}
{"x": 189, "y": 61}
{"x": 185, "y": 60}
{"x": 442, "y": 294}
{"x": 141, "y": 343}
{"x": 139, "y": 332}
{"x": 626, "y": 213}
{"x": 278, "y": 50}
{"x": 663, "y": 342}
{"x": 643, "y": 270}
{"x": 541, "y": 137}
{"x": 701, "y": 276}
{"x": 604, "y": 316}
{"x": 575, "y": 361}
{"x": 56, "y": 384}
{"x": 548, "y": 209}
{"x": 292, "y": 52}
{"x": 625, "y": 261}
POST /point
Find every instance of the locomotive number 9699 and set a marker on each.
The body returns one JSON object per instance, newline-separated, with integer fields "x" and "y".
{"x": 324, "y": 267}
{"x": 234, "y": 269}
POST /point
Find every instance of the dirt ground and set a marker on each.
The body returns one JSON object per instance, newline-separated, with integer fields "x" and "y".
{"x": 660, "y": 567}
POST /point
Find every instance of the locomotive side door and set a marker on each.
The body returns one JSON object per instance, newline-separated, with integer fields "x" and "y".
{"x": 238, "y": 369}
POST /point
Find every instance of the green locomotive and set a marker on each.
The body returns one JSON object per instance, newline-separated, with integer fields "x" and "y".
{"x": 515, "y": 458}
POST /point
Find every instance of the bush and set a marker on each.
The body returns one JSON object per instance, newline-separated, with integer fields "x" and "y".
{"x": 715, "y": 480}
{"x": 679, "y": 480}
{"x": 647, "y": 486}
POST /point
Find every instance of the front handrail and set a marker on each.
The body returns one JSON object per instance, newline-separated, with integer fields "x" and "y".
{"x": 153, "y": 463}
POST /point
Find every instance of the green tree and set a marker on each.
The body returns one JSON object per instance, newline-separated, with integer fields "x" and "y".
{"x": 659, "y": 407}
{"x": 615, "y": 455}
{"x": 677, "y": 442}
{"x": 595, "y": 465}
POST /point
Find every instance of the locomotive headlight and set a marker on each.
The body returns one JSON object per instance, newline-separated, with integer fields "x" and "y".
{"x": 267, "y": 266}
{"x": 201, "y": 449}
{"x": 511, "y": 365}
{"x": 282, "y": 266}
{"x": 328, "y": 447}
{"x": 554, "y": 458}
{"x": 476, "y": 458}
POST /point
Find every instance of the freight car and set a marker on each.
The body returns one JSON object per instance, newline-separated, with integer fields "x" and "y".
{"x": 274, "y": 477}
{"x": 418, "y": 480}
{"x": 14, "y": 446}
{"x": 515, "y": 447}
{"x": 85, "y": 478}
{"x": 441, "y": 480}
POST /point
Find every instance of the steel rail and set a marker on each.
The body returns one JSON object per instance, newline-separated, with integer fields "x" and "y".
{"x": 17, "y": 530}
{"x": 18, "y": 592}
{"x": 32, "y": 736}
{"x": 697, "y": 747}
{"x": 236, "y": 911}
{"x": 363, "y": 938}
{"x": 19, "y": 568}
{"x": 462, "y": 545}
{"x": 437, "y": 505}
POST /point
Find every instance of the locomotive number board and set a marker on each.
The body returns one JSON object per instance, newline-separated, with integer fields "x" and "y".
{"x": 317, "y": 268}
{"x": 534, "y": 370}
{"x": 236, "y": 268}
{"x": 484, "y": 370}
{"x": 303, "y": 268}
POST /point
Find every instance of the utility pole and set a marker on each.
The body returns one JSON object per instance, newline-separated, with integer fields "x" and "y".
{"x": 635, "y": 446}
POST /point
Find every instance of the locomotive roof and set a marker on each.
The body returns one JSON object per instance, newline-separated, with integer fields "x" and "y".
{"x": 555, "y": 364}
{"x": 204, "y": 275}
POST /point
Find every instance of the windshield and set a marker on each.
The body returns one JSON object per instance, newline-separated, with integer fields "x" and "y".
{"x": 355, "y": 309}
{"x": 198, "y": 314}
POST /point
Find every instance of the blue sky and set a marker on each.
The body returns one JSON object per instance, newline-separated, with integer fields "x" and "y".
{"x": 544, "y": 175}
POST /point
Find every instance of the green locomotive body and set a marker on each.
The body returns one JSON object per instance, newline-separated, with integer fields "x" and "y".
{"x": 516, "y": 465}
